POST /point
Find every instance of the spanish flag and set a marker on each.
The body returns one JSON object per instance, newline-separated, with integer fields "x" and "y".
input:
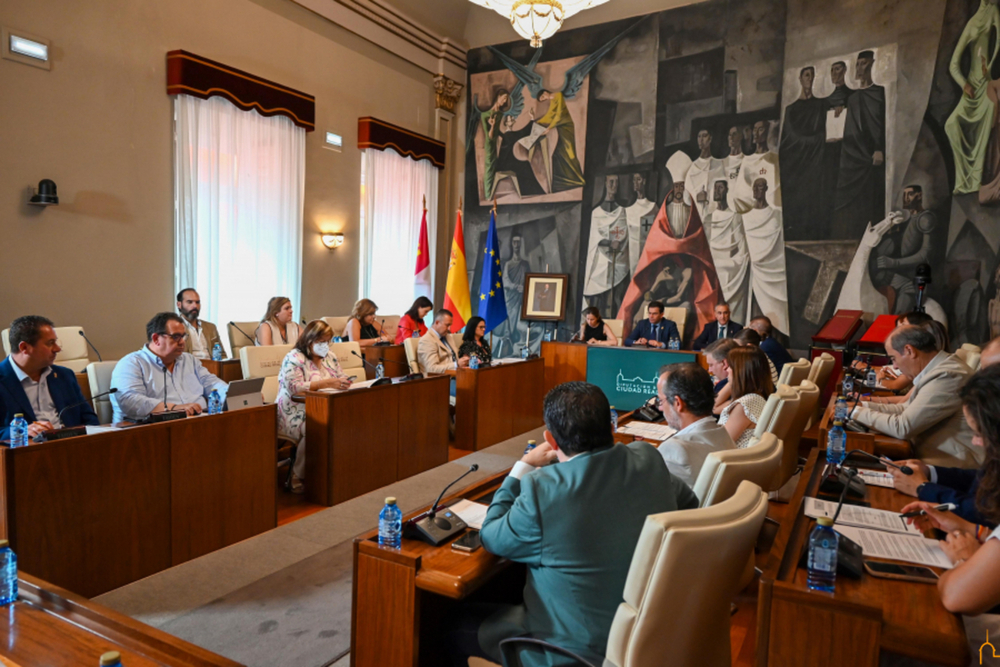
{"x": 456, "y": 290}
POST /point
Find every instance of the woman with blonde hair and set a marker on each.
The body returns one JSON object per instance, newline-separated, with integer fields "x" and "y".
{"x": 361, "y": 327}
{"x": 277, "y": 327}
{"x": 310, "y": 365}
{"x": 750, "y": 380}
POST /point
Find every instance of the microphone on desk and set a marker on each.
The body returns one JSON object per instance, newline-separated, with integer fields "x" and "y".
{"x": 167, "y": 414}
{"x": 90, "y": 344}
{"x": 68, "y": 431}
{"x": 435, "y": 529}
{"x": 377, "y": 382}
{"x": 114, "y": 390}
{"x": 906, "y": 470}
{"x": 249, "y": 338}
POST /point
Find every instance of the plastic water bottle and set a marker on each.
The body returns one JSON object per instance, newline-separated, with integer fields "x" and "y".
{"x": 840, "y": 409}
{"x": 548, "y": 336}
{"x": 390, "y": 525}
{"x": 823, "y": 556}
{"x": 871, "y": 379}
{"x": 216, "y": 352}
{"x": 675, "y": 343}
{"x": 214, "y": 402}
{"x": 111, "y": 659}
{"x": 525, "y": 352}
{"x": 614, "y": 420}
{"x": 380, "y": 371}
{"x": 836, "y": 443}
{"x": 8, "y": 568}
{"x": 338, "y": 339}
{"x": 848, "y": 384}
{"x": 415, "y": 333}
{"x": 531, "y": 445}
{"x": 19, "y": 431}
{"x": 473, "y": 362}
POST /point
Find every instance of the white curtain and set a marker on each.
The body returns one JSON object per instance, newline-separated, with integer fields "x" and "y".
{"x": 392, "y": 192}
{"x": 239, "y": 179}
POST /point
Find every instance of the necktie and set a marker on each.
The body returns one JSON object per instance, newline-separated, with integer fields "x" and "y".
{"x": 722, "y": 332}
{"x": 656, "y": 332}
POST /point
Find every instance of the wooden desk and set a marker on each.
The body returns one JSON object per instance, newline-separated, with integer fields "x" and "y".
{"x": 395, "y": 360}
{"x": 796, "y": 626}
{"x": 100, "y": 511}
{"x": 398, "y": 595}
{"x": 226, "y": 370}
{"x": 496, "y": 403}
{"x": 48, "y": 625}
{"x": 363, "y": 439}
{"x": 873, "y": 443}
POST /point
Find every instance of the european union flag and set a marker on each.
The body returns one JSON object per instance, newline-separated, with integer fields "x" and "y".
{"x": 492, "y": 304}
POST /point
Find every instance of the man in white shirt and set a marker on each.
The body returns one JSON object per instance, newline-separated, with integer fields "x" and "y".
{"x": 202, "y": 336}
{"x": 686, "y": 400}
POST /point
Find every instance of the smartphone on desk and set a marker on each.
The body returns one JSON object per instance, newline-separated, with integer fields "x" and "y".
{"x": 916, "y": 573}
{"x": 468, "y": 542}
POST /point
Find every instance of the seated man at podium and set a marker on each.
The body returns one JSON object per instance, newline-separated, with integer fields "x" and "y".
{"x": 931, "y": 415}
{"x": 202, "y": 335}
{"x": 161, "y": 376}
{"x": 722, "y": 327}
{"x": 655, "y": 331}
{"x": 31, "y": 384}
{"x": 575, "y": 524}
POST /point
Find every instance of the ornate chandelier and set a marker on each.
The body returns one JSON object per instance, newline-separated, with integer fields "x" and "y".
{"x": 537, "y": 20}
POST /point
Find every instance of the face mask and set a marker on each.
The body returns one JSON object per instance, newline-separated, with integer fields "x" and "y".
{"x": 321, "y": 349}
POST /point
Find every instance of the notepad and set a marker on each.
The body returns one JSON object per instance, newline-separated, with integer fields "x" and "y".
{"x": 647, "y": 431}
{"x": 896, "y": 546}
{"x": 354, "y": 385}
{"x": 861, "y": 517}
{"x": 471, "y": 513}
{"x": 877, "y": 478}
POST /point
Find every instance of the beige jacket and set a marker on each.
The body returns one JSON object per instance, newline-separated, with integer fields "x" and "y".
{"x": 212, "y": 337}
{"x": 434, "y": 355}
{"x": 931, "y": 417}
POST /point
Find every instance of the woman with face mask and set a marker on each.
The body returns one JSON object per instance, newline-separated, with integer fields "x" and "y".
{"x": 308, "y": 366}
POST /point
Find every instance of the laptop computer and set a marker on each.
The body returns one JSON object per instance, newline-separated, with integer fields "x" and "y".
{"x": 244, "y": 394}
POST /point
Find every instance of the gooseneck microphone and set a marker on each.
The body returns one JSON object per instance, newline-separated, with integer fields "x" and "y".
{"x": 436, "y": 529}
{"x": 85, "y": 402}
{"x": 906, "y": 470}
{"x": 248, "y": 337}
{"x": 473, "y": 468}
{"x": 379, "y": 381}
{"x": 90, "y": 344}
{"x": 67, "y": 431}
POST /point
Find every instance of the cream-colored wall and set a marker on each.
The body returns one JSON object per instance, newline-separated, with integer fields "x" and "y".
{"x": 100, "y": 125}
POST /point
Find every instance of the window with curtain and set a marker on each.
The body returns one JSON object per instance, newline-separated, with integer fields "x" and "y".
{"x": 239, "y": 181}
{"x": 392, "y": 192}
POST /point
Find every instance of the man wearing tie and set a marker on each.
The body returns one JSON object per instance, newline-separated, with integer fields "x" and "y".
{"x": 654, "y": 331}
{"x": 435, "y": 353}
{"x": 721, "y": 328}
{"x": 47, "y": 395}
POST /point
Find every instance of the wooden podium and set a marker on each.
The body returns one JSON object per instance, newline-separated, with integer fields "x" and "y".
{"x": 363, "y": 439}
{"x": 564, "y": 362}
{"x": 96, "y": 512}
{"x": 496, "y": 403}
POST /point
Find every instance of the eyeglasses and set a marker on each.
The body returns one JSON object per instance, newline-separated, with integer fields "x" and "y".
{"x": 177, "y": 337}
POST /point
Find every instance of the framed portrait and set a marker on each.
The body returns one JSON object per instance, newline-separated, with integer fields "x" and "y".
{"x": 544, "y": 297}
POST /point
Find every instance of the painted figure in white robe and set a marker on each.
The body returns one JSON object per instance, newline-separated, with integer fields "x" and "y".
{"x": 642, "y": 210}
{"x": 728, "y": 243}
{"x": 607, "y": 253}
{"x": 732, "y": 163}
{"x": 762, "y": 164}
{"x": 766, "y": 245}
{"x": 703, "y": 173}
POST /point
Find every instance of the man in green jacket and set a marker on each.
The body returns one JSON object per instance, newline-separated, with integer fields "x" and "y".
{"x": 574, "y": 524}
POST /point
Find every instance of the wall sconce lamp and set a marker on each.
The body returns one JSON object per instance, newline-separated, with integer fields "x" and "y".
{"x": 45, "y": 195}
{"x": 332, "y": 241}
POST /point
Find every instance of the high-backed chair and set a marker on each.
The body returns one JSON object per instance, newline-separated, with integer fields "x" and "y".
{"x": 692, "y": 560}
{"x": 74, "y": 354}
{"x": 338, "y": 324}
{"x": 794, "y": 372}
{"x": 970, "y": 354}
{"x": 410, "y": 346}
{"x": 617, "y": 327}
{"x": 679, "y": 316}
{"x": 778, "y": 415}
{"x": 264, "y": 362}
{"x": 352, "y": 365}
{"x": 391, "y": 325}
{"x": 822, "y": 369}
{"x": 237, "y": 340}
{"x": 99, "y": 377}
{"x": 723, "y": 471}
{"x": 455, "y": 340}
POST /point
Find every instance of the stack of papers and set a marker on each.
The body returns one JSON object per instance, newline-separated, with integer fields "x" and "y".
{"x": 354, "y": 385}
{"x": 647, "y": 431}
{"x": 471, "y": 513}
{"x": 877, "y": 478}
{"x": 881, "y": 534}
{"x": 508, "y": 360}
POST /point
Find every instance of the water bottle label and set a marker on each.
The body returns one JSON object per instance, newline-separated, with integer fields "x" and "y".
{"x": 823, "y": 558}
{"x": 380, "y": 371}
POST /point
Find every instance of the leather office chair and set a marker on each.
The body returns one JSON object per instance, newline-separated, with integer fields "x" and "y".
{"x": 74, "y": 354}
{"x": 822, "y": 369}
{"x": 794, "y": 372}
{"x": 455, "y": 340}
{"x": 338, "y": 324}
{"x": 353, "y": 366}
{"x": 237, "y": 340}
{"x": 99, "y": 377}
{"x": 679, "y": 316}
{"x": 723, "y": 471}
{"x": 617, "y": 327}
{"x": 692, "y": 560}
{"x": 391, "y": 325}
{"x": 808, "y": 394}
{"x": 778, "y": 415}
{"x": 410, "y": 347}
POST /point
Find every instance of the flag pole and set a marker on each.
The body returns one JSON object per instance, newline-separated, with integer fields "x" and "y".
{"x": 425, "y": 202}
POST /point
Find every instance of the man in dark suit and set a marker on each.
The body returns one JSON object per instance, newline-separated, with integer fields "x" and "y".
{"x": 30, "y": 383}
{"x": 655, "y": 331}
{"x": 722, "y": 327}
{"x": 941, "y": 484}
{"x": 774, "y": 350}
{"x": 575, "y": 524}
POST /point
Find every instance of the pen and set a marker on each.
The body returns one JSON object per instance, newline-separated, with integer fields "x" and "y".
{"x": 945, "y": 507}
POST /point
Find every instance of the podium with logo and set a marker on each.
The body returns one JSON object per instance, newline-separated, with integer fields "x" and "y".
{"x": 628, "y": 375}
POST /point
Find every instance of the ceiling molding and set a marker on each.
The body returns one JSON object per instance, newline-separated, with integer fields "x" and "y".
{"x": 395, "y": 32}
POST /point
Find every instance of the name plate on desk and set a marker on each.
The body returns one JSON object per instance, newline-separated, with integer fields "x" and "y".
{"x": 60, "y": 433}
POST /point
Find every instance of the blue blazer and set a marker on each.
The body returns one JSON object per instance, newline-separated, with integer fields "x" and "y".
{"x": 63, "y": 388}
{"x": 776, "y": 353}
{"x": 710, "y": 333}
{"x": 956, "y": 485}
{"x": 644, "y": 329}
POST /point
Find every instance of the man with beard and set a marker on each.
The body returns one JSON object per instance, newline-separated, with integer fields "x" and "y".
{"x": 860, "y": 195}
{"x": 905, "y": 247}
{"x": 202, "y": 336}
{"x": 803, "y": 142}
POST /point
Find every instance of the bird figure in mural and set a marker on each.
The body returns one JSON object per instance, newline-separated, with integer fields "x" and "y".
{"x": 505, "y": 105}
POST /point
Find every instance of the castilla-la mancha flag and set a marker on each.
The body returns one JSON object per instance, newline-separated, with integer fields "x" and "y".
{"x": 422, "y": 284}
{"x": 456, "y": 290}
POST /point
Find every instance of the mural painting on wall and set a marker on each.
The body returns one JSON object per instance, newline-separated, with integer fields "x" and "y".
{"x": 781, "y": 157}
